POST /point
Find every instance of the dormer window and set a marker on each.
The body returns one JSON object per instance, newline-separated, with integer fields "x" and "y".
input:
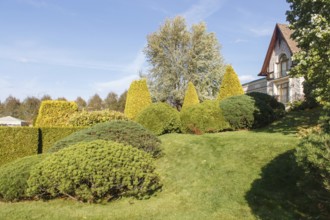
{"x": 283, "y": 65}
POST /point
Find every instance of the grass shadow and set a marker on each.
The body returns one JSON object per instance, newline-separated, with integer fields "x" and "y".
{"x": 276, "y": 194}
{"x": 293, "y": 121}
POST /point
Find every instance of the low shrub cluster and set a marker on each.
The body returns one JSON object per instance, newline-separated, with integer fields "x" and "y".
{"x": 17, "y": 142}
{"x": 94, "y": 172}
{"x": 160, "y": 118}
{"x": 14, "y": 176}
{"x": 126, "y": 132}
{"x": 204, "y": 117}
{"x": 253, "y": 110}
{"x": 89, "y": 118}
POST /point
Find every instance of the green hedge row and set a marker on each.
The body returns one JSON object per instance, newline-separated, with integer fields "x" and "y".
{"x": 17, "y": 142}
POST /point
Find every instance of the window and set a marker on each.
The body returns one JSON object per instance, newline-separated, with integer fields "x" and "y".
{"x": 283, "y": 65}
{"x": 283, "y": 92}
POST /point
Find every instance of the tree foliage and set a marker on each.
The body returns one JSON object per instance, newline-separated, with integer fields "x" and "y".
{"x": 111, "y": 101}
{"x": 95, "y": 103}
{"x": 310, "y": 21}
{"x": 29, "y": 109}
{"x": 178, "y": 55}
{"x": 230, "y": 85}
{"x": 138, "y": 98}
{"x": 122, "y": 102}
{"x": 190, "y": 97}
{"x": 81, "y": 103}
{"x": 12, "y": 107}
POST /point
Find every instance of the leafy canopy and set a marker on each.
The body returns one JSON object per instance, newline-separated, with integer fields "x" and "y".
{"x": 178, "y": 55}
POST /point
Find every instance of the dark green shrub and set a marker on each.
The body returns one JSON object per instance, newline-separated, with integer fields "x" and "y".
{"x": 204, "y": 117}
{"x": 48, "y": 136}
{"x": 278, "y": 108}
{"x": 239, "y": 111}
{"x": 17, "y": 142}
{"x": 94, "y": 171}
{"x": 14, "y": 176}
{"x": 85, "y": 118}
{"x": 160, "y": 118}
{"x": 126, "y": 132}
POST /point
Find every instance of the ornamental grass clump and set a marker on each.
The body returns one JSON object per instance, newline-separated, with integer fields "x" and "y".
{"x": 95, "y": 171}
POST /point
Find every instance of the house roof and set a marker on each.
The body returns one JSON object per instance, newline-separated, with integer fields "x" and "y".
{"x": 10, "y": 120}
{"x": 284, "y": 31}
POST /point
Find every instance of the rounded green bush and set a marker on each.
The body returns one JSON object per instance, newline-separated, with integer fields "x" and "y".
{"x": 86, "y": 118}
{"x": 239, "y": 111}
{"x": 14, "y": 176}
{"x": 94, "y": 171}
{"x": 126, "y": 132}
{"x": 160, "y": 118}
{"x": 277, "y": 107}
{"x": 204, "y": 117}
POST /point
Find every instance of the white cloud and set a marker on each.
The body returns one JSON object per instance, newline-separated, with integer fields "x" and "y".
{"x": 239, "y": 40}
{"x": 202, "y": 10}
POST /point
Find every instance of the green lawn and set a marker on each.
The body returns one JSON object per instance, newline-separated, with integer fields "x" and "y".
{"x": 230, "y": 175}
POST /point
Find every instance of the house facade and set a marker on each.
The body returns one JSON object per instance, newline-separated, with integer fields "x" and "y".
{"x": 277, "y": 63}
{"x": 12, "y": 122}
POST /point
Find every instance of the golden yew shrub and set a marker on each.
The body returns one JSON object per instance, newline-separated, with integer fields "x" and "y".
{"x": 191, "y": 97}
{"x": 230, "y": 86}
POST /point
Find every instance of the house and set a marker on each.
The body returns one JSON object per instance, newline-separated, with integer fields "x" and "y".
{"x": 274, "y": 71}
{"x": 11, "y": 121}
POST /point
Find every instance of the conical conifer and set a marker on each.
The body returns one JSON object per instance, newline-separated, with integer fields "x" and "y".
{"x": 230, "y": 86}
{"x": 138, "y": 98}
{"x": 191, "y": 97}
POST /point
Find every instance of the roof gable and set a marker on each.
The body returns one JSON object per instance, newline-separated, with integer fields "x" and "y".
{"x": 283, "y": 31}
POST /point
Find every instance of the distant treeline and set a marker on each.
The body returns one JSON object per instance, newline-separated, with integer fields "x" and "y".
{"x": 28, "y": 108}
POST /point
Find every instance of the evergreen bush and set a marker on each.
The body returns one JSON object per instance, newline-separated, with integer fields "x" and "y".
{"x": 94, "y": 172}
{"x": 89, "y": 118}
{"x": 230, "y": 85}
{"x": 138, "y": 98}
{"x": 126, "y": 132}
{"x": 191, "y": 97}
{"x": 14, "y": 176}
{"x": 239, "y": 111}
{"x": 160, "y": 118}
{"x": 277, "y": 107}
{"x": 53, "y": 113}
{"x": 204, "y": 117}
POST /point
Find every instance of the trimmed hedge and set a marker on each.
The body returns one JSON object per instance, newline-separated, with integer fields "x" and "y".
{"x": 17, "y": 142}
{"x": 95, "y": 171}
{"x": 204, "y": 117}
{"x": 239, "y": 111}
{"x": 86, "y": 118}
{"x": 160, "y": 118}
{"x": 190, "y": 97}
{"x": 49, "y": 136}
{"x": 53, "y": 113}
{"x": 126, "y": 132}
{"x": 138, "y": 98}
{"x": 14, "y": 176}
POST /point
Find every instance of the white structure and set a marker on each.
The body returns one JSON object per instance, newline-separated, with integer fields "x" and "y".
{"x": 11, "y": 121}
{"x": 275, "y": 68}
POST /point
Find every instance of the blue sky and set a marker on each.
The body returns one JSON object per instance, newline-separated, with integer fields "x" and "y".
{"x": 71, "y": 48}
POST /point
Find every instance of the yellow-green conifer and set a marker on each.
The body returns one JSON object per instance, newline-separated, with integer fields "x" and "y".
{"x": 230, "y": 85}
{"x": 191, "y": 97}
{"x": 138, "y": 98}
{"x": 54, "y": 113}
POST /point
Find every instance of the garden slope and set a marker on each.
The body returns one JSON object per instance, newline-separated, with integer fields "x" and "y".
{"x": 212, "y": 176}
